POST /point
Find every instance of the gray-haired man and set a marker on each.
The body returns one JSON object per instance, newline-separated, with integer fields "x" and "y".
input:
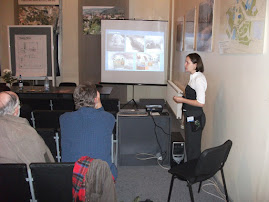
{"x": 19, "y": 142}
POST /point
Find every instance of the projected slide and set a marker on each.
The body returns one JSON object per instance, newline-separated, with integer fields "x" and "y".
{"x": 133, "y": 50}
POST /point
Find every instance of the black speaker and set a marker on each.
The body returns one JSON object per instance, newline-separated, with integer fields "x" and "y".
{"x": 177, "y": 149}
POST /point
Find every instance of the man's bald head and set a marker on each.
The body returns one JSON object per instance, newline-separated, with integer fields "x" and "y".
{"x": 9, "y": 103}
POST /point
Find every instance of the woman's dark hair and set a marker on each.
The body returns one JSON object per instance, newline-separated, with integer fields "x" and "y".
{"x": 196, "y": 59}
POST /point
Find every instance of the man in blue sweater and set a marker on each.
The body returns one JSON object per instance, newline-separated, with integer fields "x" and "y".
{"x": 87, "y": 131}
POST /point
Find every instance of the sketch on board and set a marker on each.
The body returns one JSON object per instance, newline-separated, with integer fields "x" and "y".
{"x": 31, "y": 55}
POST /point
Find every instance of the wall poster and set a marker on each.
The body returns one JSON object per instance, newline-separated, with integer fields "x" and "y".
{"x": 38, "y": 2}
{"x": 180, "y": 34}
{"x": 39, "y": 15}
{"x": 205, "y": 24}
{"x": 242, "y": 26}
{"x": 189, "y": 36}
{"x": 92, "y": 16}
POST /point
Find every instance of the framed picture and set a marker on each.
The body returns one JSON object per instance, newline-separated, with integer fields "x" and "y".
{"x": 242, "y": 27}
{"x": 38, "y": 2}
{"x": 205, "y": 24}
{"x": 39, "y": 15}
{"x": 180, "y": 34}
{"x": 92, "y": 16}
{"x": 31, "y": 51}
{"x": 189, "y": 35}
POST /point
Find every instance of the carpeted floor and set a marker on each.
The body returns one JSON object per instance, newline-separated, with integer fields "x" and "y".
{"x": 152, "y": 182}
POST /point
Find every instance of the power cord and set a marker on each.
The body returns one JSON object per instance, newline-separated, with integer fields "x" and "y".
{"x": 166, "y": 168}
{"x": 157, "y": 125}
{"x": 213, "y": 182}
{"x": 150, "y": 156}
{"x": 158, "y": 157}
{"x": 155, "y": 132}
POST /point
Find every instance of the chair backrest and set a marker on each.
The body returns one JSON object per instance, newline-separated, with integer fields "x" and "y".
{"x": 47, "y": 118}
{"x": 111, "y": 105}
{"x": 13, "y": 184}
{"x": 37, "y": 104}
{"x": 52, "y": 181}
{"x": 213, "y": 159}
{"x": 63, "y": 104}
{"x": 68, "y": 84}
{"x": 52, "y": 140}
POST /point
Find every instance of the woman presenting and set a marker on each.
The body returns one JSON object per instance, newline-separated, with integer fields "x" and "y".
{"x": 193, "y": 103}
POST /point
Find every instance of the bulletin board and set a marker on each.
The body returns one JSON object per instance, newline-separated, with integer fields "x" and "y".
{"x": 31, "y": 51}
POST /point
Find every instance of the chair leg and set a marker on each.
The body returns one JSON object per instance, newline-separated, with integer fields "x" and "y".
{"x": 224, "y": 184}
{"x": 171, "y": 187}
{"x": 191, "y": 193}
{"x": 200, "y": 187}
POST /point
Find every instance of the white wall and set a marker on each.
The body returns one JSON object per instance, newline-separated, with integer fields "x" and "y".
{"x": 237, "y": 107}
{"x": 69, "y": 63}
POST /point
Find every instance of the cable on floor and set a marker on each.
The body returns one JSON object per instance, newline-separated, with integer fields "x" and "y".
{"x": 150, "y": 156}
{"x": 166, "y": 168}
{"x": 213, "y": 182}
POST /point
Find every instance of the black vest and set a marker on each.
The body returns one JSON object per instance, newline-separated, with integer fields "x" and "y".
{"x": 191, "y": 95}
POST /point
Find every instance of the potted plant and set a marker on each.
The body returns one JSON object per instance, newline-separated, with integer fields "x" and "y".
{"x": 8, "y": 78}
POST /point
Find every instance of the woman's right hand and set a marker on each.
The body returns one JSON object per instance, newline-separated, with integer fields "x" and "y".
{"x": 178, "y": 99}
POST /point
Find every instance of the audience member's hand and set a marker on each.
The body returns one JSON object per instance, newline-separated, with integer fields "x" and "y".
{"x": 98, "y": 103}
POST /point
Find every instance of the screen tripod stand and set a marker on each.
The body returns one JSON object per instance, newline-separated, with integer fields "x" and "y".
{"x": 132, "y": 100}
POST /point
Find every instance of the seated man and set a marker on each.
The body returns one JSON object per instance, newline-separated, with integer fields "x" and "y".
{"x": 19, "y": 142}
{"x": 87, "y": 131}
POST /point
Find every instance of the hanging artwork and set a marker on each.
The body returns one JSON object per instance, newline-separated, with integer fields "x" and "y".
{"x": 189, "y": 30}
{"x": 92, "y": 16}
{"x": 242, "y": 26}
{"x": 39, "y": 15}
{"x": 205, "y": 23}
{"x": 180, "y": 34}
{"x": 38, "y": 2}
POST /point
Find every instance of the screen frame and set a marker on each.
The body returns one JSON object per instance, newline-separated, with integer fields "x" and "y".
{"x": 138, "y": 77}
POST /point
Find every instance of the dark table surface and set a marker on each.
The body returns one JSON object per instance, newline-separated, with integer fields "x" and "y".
{"x": 63, "y": 91}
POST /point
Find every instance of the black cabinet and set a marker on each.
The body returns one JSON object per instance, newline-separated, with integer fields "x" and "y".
{"x": 142, "y": 137}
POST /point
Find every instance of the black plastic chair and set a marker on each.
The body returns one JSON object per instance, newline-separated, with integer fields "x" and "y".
{"x": 37, "y": 104}
{"x": 52, "y": 181}
{"x": 206, "y": 166}
{"x": 13, "y": 184}
{"x": 67, "y": 84}
{"x": 111, "y": 105}
{"x": 47, "y": 118}
{"x": 63, "y": 104}
{"x": 52, "y": 139}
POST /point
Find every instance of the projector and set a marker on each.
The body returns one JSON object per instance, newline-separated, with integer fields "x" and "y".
{"x": 154, "y": 108}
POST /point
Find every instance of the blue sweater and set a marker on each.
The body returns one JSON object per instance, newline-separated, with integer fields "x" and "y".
{"x": 87, "y": 132}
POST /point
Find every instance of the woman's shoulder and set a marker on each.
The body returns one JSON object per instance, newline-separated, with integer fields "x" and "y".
{"x": 200, "y": 76}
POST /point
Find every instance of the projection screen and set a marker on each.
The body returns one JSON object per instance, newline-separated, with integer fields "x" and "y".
{"x": 134, "y": 52}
